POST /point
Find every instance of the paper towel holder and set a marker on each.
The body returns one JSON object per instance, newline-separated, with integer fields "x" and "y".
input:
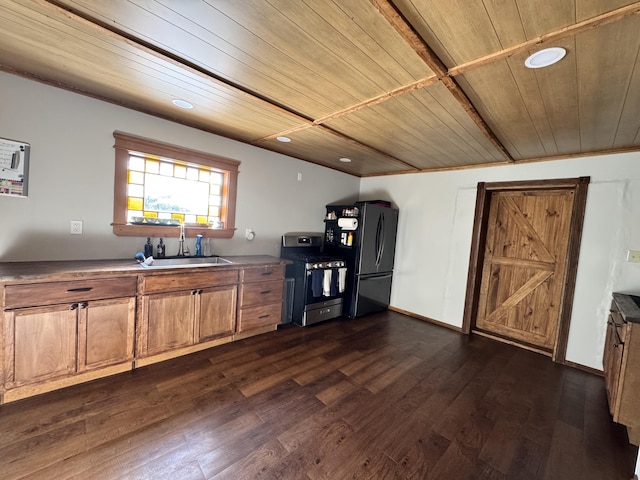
{"x": 348, "y": 223}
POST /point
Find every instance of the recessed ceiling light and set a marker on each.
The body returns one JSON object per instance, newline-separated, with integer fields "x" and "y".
{"x": 181, "y": 103}
{"x": 345, "y": 160}
{"x": 283, "y": 139}
{"x": 545, "y": 57}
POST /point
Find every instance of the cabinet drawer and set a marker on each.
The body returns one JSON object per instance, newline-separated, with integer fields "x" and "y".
{"x": 259, "y": 316}
{"x": 189, "y": 280}
{"x": 261, "y": 293}
{"x": 33, "y": 294}
{"x": 262, "y": 274}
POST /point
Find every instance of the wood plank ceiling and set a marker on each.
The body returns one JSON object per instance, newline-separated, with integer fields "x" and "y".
{"x": 396, "y": 86}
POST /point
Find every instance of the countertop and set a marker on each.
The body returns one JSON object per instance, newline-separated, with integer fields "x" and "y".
{"x": 629, "y": 306}
{"x": 74, "y": 269}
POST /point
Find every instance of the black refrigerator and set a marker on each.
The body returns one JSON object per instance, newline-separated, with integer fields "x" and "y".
{"x": 364, "y": 234}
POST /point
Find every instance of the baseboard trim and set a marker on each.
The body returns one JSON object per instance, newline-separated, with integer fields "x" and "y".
{"x": 577, "y": 366}
{"x": 426, "y": 319}
{"x": 584, "y": 368}
{"x": 524, "y": 346}
{"x": 27, "y": 391}
{"x": 178, "y": 352}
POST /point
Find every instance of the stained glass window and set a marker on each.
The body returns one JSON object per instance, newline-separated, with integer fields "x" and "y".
{"x": 168, "y": 189}
{"x": 164, "y": 185}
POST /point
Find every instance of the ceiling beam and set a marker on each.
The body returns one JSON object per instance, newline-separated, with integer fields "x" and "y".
{"x": 424, "y": 82}
{"x": 565, "y": 32}
{"x": 402, "y": 26}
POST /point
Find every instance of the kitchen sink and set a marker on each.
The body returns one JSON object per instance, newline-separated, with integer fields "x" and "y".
{"x": 173, "y": 262}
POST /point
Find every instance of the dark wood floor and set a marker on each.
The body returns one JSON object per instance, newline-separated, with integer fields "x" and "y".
{"x": 380, "y": 397}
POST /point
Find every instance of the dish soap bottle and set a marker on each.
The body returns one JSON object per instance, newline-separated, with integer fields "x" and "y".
{"x": 160, "y": 249}
{"x": 148, "y": 248}
{"x": 198, "y": 245}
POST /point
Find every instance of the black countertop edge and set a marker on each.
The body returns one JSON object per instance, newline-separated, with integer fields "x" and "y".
{"x": 629, "y": 306}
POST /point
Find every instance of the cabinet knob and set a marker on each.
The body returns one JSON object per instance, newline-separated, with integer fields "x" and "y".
{"x": 73, "y": 306}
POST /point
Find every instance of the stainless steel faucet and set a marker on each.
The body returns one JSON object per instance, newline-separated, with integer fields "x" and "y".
{"x": 181, "y": 241}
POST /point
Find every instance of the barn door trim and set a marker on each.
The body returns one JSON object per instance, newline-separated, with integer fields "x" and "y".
{"x": 479, "y": 237}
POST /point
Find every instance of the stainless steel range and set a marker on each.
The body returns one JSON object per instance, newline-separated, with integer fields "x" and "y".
{"x": 319, "y": 279}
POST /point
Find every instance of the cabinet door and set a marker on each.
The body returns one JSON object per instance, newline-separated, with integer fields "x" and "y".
{"x": 105, "y": 332}
{"x": 167, "y": 321}
{"x": 216, "y": 312}
{"x": 41, "y": 343}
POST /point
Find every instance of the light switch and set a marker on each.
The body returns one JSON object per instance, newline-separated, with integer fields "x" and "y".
{"x": 633, "y": 256}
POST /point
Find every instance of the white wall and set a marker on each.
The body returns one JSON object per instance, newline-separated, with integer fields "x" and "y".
{"x": 71, "y": 178}
{"x": 435, "y": 227}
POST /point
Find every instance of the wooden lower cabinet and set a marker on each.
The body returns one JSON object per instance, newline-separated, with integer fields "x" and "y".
{"x": 261, "y": 290}
{"x": 43, "y": 344}
{"x": 621, "y": 363}
{"x": 106, "y": 330}
{"x": 259, "y": 316}
{"x": 57, "y": 333}
{"x": 174, "y": 318}
{"x": 215, "y": 313}
{"x": 59, "y": 344}
{"x": 612, "y": 359}
{"x": 168, "y": 318}
{"x": 179, "y": 319}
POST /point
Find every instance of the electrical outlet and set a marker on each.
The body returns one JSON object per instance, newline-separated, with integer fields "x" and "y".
{"x": 76, "y": 227}
{"x": 633, "y": 256}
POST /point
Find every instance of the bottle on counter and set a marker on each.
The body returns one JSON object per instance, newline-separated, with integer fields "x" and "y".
{"x": 350, "y": 239}
{"x": 198, "y": 245}
{"x": 148, "y": 248}
{"x": 207, "y": 248}
{"x": 161, "y": 249}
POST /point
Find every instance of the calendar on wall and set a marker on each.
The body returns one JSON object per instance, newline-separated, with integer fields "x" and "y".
{"x": 14, "y": 168}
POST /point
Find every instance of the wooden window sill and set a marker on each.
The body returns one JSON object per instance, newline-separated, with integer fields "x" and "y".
{"x": 129, "y": 230}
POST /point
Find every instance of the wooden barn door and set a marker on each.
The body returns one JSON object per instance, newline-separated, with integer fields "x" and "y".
{"x": 527, "y": 257}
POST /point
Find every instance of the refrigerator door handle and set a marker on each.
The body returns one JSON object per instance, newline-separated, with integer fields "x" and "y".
{"x": 383, "y": 240}
{"x": 379, "y": 238}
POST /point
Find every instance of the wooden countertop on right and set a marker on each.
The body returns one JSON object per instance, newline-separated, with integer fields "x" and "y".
{"x": 629, "y": 306}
